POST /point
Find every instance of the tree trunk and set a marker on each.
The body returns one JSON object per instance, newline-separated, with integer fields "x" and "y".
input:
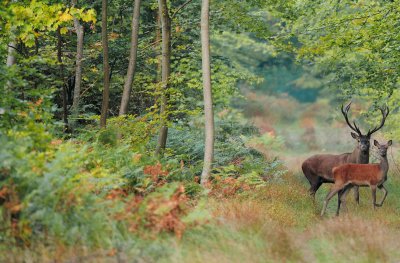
{"x": 157, "y": 48}
{"x": 208, "y": 105}
{"x": 64, "y": 88}
{"x": 166, "y": 69}
{"x": 11, "y": 60}
{"x": 78, "y": 68}
{"x": 157, "y": 51}
{"x": 106, "y": 66}
{"x": 132, "y": 59}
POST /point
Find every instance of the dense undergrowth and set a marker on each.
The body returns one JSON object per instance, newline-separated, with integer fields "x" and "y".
{"x": 103, "y": 189}
{"x": 273, "y": 223}
{"x": 102, "y": 196}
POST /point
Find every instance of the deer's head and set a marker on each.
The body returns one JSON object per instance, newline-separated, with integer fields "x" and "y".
{"x": 363, "y": 139}
{"x": 382, "y": 148}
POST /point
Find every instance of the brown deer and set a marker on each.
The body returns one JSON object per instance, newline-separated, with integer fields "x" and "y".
{"x": 372, "y": 175}
{"x": 318, "y": 168}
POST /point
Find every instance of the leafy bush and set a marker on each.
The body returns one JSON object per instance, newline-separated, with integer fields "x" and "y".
{"x": 160, "y": 211}
{"x": 105, "y": 187}
{"x": 231, "y": 129}
{"x": 63, "y": 190}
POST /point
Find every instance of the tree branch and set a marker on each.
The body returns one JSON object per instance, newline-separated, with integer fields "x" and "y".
{"x": 179, "y": 8}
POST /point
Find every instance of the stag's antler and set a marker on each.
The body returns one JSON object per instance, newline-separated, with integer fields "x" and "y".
{"x": 345, "y": 112}
{"x": 385, "y": 113}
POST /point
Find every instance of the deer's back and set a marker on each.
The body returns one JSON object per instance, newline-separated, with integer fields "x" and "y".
{"x": 359, "y": 174}
{"x": 322, "y": 164}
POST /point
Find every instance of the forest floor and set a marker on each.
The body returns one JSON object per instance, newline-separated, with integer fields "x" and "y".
{"x": 278, "y": 223}
{"x": 282, "y": 224}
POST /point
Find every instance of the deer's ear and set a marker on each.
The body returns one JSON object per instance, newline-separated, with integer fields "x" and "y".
{"x": 355, "y": 136}
{"x": 389, "y": 143}
{"x": 376, "y": 143}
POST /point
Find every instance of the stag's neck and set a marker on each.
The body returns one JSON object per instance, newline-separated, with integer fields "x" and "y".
{"x": 363, "y": 157}
{"x": 358, "y": 156}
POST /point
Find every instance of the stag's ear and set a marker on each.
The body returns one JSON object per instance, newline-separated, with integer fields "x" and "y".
{"x": 355, "y": 136}
{"x": 389, "y": 143}
{"x": 376, "y": 143}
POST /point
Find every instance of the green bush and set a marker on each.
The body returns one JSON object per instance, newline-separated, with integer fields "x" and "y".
{"x": 231, "y": 133}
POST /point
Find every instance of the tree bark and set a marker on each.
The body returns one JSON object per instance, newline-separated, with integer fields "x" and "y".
{"x": 64, "y": 88}
{"x": 132, "y": 59}
{"x": 157, "y": 48}
{"x": 207, "y": 92}
{"x": 11, "y": 60}
{"x": 166, "y": 69}
{"x": 106, "y": 66}
{"x": 78, "y": 67}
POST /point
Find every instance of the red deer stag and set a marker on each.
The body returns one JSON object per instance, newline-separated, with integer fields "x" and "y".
{"x": 318, "y": 168}
{"x": 350, "y": 174}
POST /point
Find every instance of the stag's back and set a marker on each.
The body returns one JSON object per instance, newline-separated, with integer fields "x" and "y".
{"x": 322, "y": 164}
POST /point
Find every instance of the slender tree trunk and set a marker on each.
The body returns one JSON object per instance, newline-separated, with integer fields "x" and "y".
{"x": 132, "y": 59}
{"x": 157, "y": 48}
{"x": 78, "y": 67}
{"x": 11, "y": 60}
{"x": 208, "y": 105}
{"x": 166, "y": 69}
{"x": 106, "y": 66}
{"x": 64, "y": 88}
{"x": 157, "y": 51}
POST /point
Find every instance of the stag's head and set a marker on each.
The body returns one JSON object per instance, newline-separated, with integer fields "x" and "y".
{"x": 364, "y": 139}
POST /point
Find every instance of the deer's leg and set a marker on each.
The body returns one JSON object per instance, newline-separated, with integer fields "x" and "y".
{"x": 313, "y": 178}
{"x": 342, "y": 198}
{"x": 356, "y": 194}
{"x": 373, "y": 191}
{"x": 315, "y": 185}
{"x": 335, "y": 189}
{"x": 339, "y": 201}
{"x": 384, "y": 195}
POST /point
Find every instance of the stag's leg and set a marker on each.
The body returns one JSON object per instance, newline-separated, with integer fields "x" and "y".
{"x": 335, "y": 189}
{"x": 313, "y": 178}
{"x": 384, "y": 195}
{"x": 373, "y": 191}
{"x": 314, "y": 188}
{"x": 356, "y": 194}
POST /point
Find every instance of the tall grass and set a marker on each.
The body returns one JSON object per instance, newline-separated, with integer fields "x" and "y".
{"x": 281, "y": 224}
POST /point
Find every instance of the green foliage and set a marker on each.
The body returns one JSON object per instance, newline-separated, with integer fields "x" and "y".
{"x": 108, "y": 137}
{"x": 75, "y": 192}
{"x": 231, "y": 133}
{"x": 28, "y": 22}
{"x": 55, "y": 194}
{"x": 353, "y": 44}
{"x": 269, "y": 141}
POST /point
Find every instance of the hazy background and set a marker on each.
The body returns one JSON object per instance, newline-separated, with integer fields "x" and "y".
{"x": 295, "y": 111}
